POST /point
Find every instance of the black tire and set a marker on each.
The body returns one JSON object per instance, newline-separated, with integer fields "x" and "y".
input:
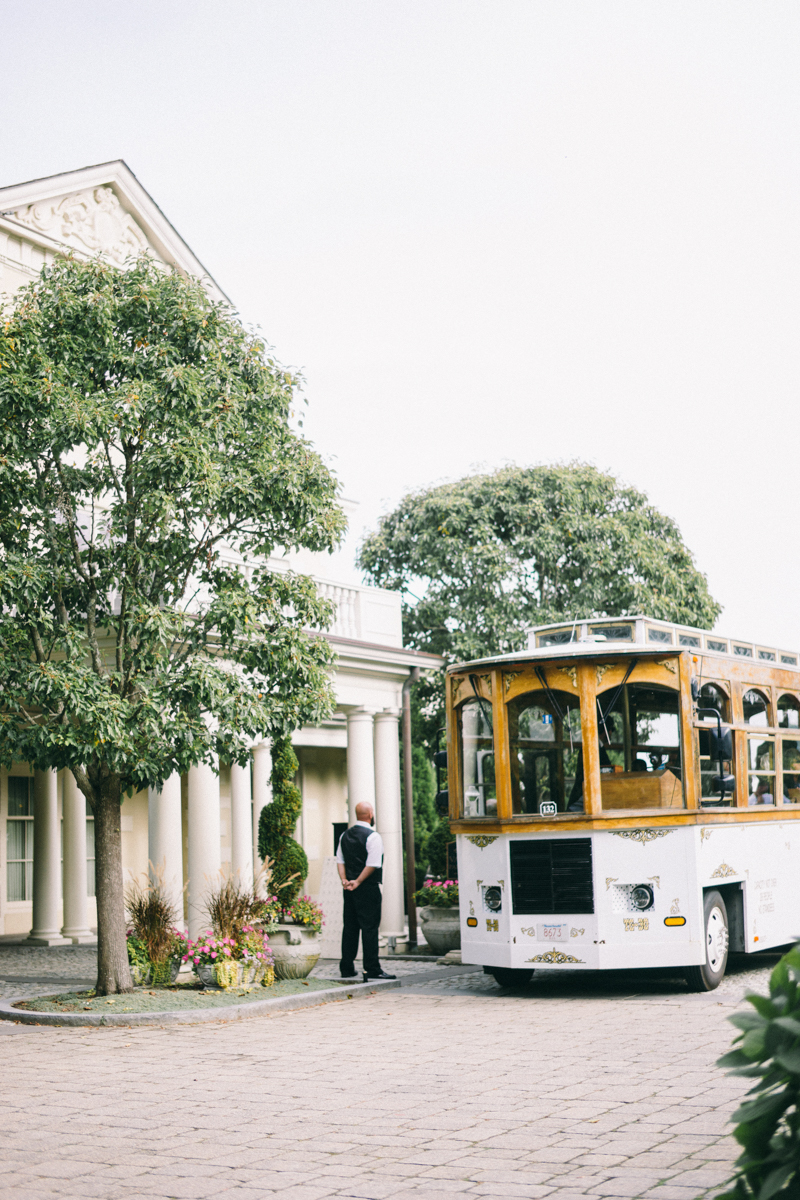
{"x": 511, "y": 976}
{"x": 715, "y": 924}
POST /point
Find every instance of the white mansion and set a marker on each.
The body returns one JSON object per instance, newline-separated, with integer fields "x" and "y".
{"x": 205, "y": 822}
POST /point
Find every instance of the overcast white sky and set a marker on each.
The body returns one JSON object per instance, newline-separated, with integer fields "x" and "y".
{"x": 487, "y": 231}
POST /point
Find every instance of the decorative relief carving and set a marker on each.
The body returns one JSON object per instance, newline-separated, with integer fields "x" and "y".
{"x": 92, "y": 220}
{"x": 487, "y": 679}
{"x": 554, "y": 956}
{"x": 723, "y": 871}
{"x": 669, "y": 664}
{"x": 480, "y": 840}
{"x": 572, "y": 675}
{"x": 656, "y": 879}
{"x": 600, "y": 672}
{"x": 609, "y": 880}
{"x": 641, "y": 835}
{"x": 455, "y": 685}
{"x": 705, "y": 833}
{"x": 529, "y": 931}
{"x": 509, "y": 678}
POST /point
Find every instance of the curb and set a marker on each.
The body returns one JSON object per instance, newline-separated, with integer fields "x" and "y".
{"x": 236, "y": 1012}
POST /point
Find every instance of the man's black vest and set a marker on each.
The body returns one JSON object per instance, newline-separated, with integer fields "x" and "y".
{"x": 353, "y": 845}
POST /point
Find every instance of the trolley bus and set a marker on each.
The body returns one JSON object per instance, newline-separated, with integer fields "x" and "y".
{"x": 625, "y": 793}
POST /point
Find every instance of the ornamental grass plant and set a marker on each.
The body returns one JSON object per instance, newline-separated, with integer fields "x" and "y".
{"x": 767, "y": 1050}
{"x": 153, "y": 941}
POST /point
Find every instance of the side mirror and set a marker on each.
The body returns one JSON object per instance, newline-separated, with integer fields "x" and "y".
{"x": 724, "y": 785}
{"x": 695, "y": 688}
{"x": 440, "y": 759}
{"x": 721, "y": 743}
{"x": 442, "y": 803}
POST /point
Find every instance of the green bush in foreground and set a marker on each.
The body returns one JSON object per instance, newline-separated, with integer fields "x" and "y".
{"x": 768, "y": 1123}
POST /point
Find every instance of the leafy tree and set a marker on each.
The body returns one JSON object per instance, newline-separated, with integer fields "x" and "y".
{"x": 145, "y": 450}
{"x": 483, "y": 559}
{"x": 277, "y": 822}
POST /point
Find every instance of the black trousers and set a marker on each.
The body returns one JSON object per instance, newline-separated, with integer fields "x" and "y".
{"x": 362, "y": 914}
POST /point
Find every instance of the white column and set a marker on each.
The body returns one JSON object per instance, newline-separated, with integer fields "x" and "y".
{"x": 388, "y": 820}
{"x": 165, "y": 841}
{"x": 76, "y": 902}
{"x": 205, "y": 858}
{"x": 360, "y": 760}
{"x": 262, "y": 791}
{"x": 46, "y": 929}
{"x": 241, "y": 825}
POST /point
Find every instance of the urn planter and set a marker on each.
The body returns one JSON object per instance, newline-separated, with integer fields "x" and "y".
{"x": 162, "y": 975}
{"x": 442, "y": 927}
{"x": 295, "y": 950}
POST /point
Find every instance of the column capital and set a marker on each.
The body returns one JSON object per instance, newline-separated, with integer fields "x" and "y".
{"x": 388, "y": 714}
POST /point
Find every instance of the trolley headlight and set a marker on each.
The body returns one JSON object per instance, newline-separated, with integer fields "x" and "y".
{"x": 493, "y": 899}
{"x": 642, "y": 896}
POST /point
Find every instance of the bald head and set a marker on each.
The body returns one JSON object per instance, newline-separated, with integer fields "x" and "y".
{"x": 364, "y": 812}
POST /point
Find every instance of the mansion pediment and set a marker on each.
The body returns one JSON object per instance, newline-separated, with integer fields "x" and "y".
{"x": 92, "y": 221}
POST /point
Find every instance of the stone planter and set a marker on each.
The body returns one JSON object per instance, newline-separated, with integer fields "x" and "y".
{"x": 442, "y": 927}
{"x": 295, "y": 950}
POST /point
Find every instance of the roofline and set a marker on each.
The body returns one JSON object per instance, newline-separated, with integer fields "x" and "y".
{"x": 116, "y": 171}
{"x": 578, "y": 650}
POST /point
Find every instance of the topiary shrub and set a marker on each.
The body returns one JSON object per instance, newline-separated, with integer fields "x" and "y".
{"x": 768, "y": 1124}
{"x": 277, "y": 823}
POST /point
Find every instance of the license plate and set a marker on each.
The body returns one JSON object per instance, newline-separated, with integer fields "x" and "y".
{"x": 552, "y": 933}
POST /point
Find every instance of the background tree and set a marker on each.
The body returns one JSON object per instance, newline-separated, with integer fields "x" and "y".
{"x": 483, "y": 559}
{"x": 277, "y": 822}
{"x": 145, "y": 449}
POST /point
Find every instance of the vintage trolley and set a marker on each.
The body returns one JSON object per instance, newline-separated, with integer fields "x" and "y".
{"x": 625, "y": 793}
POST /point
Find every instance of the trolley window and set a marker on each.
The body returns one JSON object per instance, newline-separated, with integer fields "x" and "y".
{"x": 790, "y": 757}
{"x": 788, "y": 712}
{"x": 477, "y": 759}
{"x": 640, "y": 747}
{"x": 546, "y": 752}
{"x": 755, "y": 709}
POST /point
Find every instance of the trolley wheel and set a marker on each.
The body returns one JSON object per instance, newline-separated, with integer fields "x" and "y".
{"x": 715, "y": 919}
{"x": 510, "y": 976}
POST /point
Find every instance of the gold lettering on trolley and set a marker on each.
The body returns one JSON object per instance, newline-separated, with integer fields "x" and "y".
{"x": 492, "y": 925}
{"x": 471, "y": 909}
{"x": 577, "y": 932}
{"x": 675, "y": 907}
{"x": 630, "y": 925}
{"x": 529, "y": 931}
{"x": 509, "y": 678}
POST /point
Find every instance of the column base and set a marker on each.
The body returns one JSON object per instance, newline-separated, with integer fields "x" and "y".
{"x": 46, "y": 939}
{"x": 79, "y": 937}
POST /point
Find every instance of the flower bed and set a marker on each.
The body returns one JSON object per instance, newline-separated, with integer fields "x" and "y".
{"x": 438, "y": 895}
{"x": 230, "y": 961}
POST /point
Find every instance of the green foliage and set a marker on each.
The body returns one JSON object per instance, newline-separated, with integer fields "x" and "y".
{"x": 305, "y": 911}
{"x": 152, "y": 918}
{"x": 277, "y": 823}
{"x": 145, "y": 451}
{"x": 768, "y": 1123}
{"x": 438, "y": 895}
{"x": 491, "y": 555}
{"x": 435, "y": 848}
{"x": 423, "y": 787}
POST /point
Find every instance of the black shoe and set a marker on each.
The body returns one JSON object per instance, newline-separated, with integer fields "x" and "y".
{"x": 348, "y": 974}
{"x": 380, "y": 975}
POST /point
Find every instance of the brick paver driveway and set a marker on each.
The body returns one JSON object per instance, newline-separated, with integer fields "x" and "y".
{"x": 585, "y": 1085}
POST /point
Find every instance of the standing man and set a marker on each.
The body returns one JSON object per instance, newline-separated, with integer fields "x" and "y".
{"x": 359, "y": 858}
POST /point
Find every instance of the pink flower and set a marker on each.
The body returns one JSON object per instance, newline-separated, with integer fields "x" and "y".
{"x": 214, "y": 954}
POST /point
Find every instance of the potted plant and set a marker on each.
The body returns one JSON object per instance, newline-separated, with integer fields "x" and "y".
{"x": 232, "y": 961}
{"x": 439, "y": 915}
{"x": 294, "y": 943}
{"x": 155, "y": 946}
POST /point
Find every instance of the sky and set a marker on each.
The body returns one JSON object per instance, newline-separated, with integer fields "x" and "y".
{"x": 485, "y": 231}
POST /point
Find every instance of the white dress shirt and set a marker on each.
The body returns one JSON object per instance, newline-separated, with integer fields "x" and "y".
{"x": 374, "y": 847}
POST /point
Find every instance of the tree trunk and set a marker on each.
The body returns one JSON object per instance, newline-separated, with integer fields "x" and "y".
{"x": 113, "y": 969}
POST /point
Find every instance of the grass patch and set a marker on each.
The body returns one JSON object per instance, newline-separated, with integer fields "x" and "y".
{"x": 180, "y": 997}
